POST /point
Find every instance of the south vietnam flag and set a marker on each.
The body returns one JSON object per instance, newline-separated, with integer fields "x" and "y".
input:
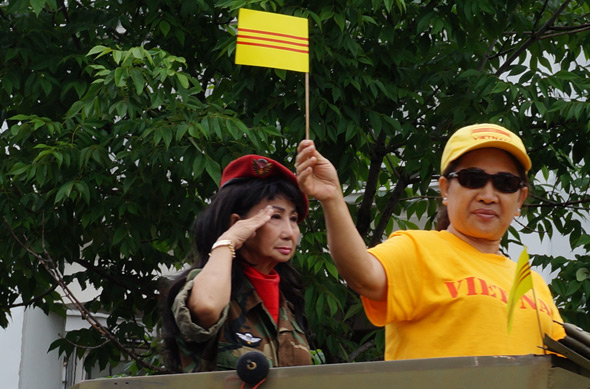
{"x": 523, "y": 281}
{"x": 272, "y": 40}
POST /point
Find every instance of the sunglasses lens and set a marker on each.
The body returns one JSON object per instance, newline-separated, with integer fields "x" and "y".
{"x": 506, "y": 183}
{"x": 474, "y": 179}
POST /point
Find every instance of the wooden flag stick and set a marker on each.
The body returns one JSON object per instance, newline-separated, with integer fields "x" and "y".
{"x": 539, "y": 319}
{"x": 307, "y": 105}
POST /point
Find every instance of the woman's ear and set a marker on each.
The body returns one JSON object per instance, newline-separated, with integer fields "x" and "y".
{"x": 443, "y": 185}
{"x": 524, "y": 192}
{"x": 233, "y": 219}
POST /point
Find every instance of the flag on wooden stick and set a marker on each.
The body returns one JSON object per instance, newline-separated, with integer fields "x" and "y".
{"x": 272, "y": 40}
{"x": 523, "y": 281}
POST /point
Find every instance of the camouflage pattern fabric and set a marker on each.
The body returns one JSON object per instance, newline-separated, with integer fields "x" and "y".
{"x": 245, "y": 325}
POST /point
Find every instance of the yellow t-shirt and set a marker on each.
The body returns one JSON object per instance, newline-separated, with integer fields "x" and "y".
{"x": 445, "y": 298}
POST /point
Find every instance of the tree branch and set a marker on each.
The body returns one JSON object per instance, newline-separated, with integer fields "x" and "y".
{"x": 532, "y": 39}
{"x": 552, "y": 204}
{"x": 566, "y": 32}
{"x": 34, "y": 299}
{"x": 110, "y": 277}
{"x": 559, "y": 30}
{"x": 392, "y": 201}
{"x": 540, "y": 14}
{"x": 49, "y": 264}
{"x": 363, "y": 218}
{"x": 64, "y": 11}
{"x": 82, "y": 346}
{"x": 366, "y": 346}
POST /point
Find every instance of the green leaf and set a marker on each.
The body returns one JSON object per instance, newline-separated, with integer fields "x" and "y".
{"x": 331, "y": 268}
{"x": 565, "y": 75}
{"x": 21, "y": 117}
{"x": 99, "y": 49}
{"x": 138, "y": 81}
{"x": 500, "y": 87}
{"x": 582, "y": 274}
{"x": 117, "y": 55}
{"x": 137, "y": 52}
{"x": 541, "y": 108}
{"x": 37, "y": 6}
{"x": 232, "y": 128}
{"x": 183, "y": 80}
{"x": 572, "y": 287}
{"x": 583, "y": 240}
{"x": 164, "y": 27}
{"x": 213, "y": 169}
{"x": 120, "y": 77}
{"x": 18, "y": 169}
{"x": 119, "y": 235}
{"x": 216, "y": 127}
{"x": 84, "y": 191}
{"x": 64, "y": 192}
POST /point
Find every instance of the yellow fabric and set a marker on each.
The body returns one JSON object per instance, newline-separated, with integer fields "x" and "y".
{"x": 479, "y": 136}
{"x": 446, "y": 299}
{"x": 272, "y": 40}
{"x": 523, "y": 281}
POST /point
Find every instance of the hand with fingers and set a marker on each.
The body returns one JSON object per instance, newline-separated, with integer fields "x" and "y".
{"x": 316, "y": 175}
{"x": 244, "y": 229}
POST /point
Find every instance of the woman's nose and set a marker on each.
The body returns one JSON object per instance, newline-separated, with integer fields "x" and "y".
{"x": 487, "y": 193}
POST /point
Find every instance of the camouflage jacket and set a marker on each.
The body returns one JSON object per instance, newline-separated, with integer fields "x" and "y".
{"x": 245, "y": 325}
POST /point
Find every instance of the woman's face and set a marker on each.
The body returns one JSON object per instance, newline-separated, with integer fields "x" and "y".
{"x": 482, "y": 215}
{"x": 275, "y": 241}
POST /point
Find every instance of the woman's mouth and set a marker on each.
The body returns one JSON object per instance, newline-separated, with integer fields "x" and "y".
{"x": 284, "y": 250}
{"x": 485, "y": 213}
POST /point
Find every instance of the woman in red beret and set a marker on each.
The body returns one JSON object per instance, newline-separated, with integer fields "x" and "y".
{"x": 241, "y": 294}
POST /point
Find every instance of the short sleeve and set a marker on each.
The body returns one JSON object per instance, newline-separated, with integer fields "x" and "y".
{"x": 399, "y": 258}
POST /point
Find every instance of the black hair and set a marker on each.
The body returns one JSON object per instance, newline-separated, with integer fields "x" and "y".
{"x": 442, "y": 217}
{"x": 235, "y": 197}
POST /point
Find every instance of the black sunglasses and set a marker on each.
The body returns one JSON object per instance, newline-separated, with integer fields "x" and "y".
{"x": 474, "y": 178}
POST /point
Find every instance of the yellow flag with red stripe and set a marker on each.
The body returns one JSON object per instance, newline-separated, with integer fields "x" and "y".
{"x": 523, "y": 281}
{"x": 272, "y": 40}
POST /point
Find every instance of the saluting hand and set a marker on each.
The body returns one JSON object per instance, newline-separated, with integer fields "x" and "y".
{"x": 316, "y": 175}
{"x": 244, "y": 229}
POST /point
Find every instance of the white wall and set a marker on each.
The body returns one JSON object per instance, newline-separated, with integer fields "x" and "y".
{"x": 42, "y": 369}
{"x": 24, "y": 360}
{"x": 10, "y": 349}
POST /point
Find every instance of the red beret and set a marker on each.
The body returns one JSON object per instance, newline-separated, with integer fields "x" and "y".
{"x": 256, "y": 166}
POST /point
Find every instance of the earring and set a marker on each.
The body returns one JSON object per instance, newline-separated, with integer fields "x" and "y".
{"x": 445, "y": 201}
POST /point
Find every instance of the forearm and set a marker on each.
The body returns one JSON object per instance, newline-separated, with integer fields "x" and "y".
{"x": 318, "y": 178}
{"x": 211, "y": 291}
{"x": 363, "y": 272}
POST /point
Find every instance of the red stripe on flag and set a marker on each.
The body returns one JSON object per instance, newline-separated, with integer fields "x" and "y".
{"x": 272, "y": 33}
{"x": 272, "y": 47}
{"x": 522, "y": 275}
{"x": 272, "y": 40}
{"x": 525, "y": 269}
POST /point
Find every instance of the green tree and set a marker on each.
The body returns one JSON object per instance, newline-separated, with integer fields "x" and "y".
{"x": 119, "y": 117}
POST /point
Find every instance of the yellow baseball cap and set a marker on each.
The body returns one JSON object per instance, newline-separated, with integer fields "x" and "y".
{"x": 478, "y": 136}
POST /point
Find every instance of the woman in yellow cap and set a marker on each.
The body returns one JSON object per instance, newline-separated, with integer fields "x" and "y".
{"x": 241, "y": 294}
{"x": 444, "y": 293}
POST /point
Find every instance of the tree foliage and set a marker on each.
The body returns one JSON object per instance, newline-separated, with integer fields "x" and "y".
{"x": 119, "y": 117}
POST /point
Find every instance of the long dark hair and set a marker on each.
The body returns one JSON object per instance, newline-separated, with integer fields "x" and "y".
{"x": 442, "y": 217}
{"x": 238, "y": 196}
